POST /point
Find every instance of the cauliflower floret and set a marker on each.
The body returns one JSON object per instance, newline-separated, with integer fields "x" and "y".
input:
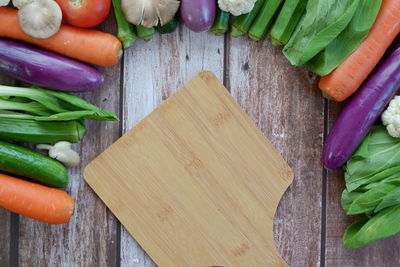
{"x": 236, "y": 7}
{"x": 391, "y": 117}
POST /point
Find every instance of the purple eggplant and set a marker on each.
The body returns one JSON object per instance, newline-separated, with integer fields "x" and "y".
{"x": 40, "y": 67}
{"x": 198, "y": 15}
{"x": 361, "y": 112}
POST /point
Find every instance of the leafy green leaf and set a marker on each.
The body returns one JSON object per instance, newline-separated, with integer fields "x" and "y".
{"x": 381, "y": 161}
{"x": 382, "y": 225}
{"x": 322, "y": 23}
{"x": 368, "y": 201}
{"x": 348, "y": 198}
{"x": 348, "y": 40}
{"x": 391, "y": 199}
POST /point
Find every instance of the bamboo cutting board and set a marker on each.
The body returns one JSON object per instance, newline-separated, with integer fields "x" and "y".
{"x": 196, "y": 183}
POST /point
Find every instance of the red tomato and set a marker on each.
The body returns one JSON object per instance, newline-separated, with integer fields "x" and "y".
{"x": 85, "y": 13}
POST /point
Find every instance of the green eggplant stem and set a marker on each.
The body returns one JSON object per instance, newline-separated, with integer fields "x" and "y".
{"x": 125, "y": 30}
{"x": 221, "y": 22}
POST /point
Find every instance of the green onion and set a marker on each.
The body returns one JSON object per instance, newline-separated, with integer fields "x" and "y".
{"x": 242, "y": 24}
{"x": 221, "y": 22}
{"x": 41, "y": 132}
{"x": 144, "y": 33}
{"x": 259, "y": 28}
{"x": 46, "y": 105}
{"x": 126, "y": 32}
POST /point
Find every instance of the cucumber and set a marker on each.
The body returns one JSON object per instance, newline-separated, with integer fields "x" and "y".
{"x": 21, "y": 161}
{"x": 169, "y": 27}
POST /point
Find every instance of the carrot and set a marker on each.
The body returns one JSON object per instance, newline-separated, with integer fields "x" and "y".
{"x": 88, "y": 45}
{"x": 351, "y": 73}
{"x": 39, "y": 202}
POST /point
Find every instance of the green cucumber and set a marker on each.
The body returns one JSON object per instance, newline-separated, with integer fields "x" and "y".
{"x": 21, "y": 161}
{"x": 169, "y": 27}
{"x": 41, "y": 131}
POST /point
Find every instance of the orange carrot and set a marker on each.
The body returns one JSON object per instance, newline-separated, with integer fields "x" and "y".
{"x": 351, "y": 73}
{"x": 88, "y": 45}
{"x": 39, "y": 202}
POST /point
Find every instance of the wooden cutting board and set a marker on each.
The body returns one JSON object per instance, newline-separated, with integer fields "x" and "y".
{"x": 196, "y": 183}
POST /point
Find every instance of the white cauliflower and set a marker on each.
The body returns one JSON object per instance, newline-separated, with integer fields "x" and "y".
{"x": 391, "y": 117}
{"x": 236, "y": 7}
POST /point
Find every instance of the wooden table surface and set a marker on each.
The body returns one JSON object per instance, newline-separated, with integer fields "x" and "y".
{"x": 282, "y": 100}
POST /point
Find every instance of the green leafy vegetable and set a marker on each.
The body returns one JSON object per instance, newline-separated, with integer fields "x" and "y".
{"x": 367, "y": 202}
{"x": 348, "y": 198}
{"x": 322, "y": 23}
{"x": 377, "y": 158}
{"x": 46, "y": 105}
{"x": 366, "y": 230}
{"x": 348, "y": 41}
{"x": 391, "y": 199}
{"x": 373, "y": 187}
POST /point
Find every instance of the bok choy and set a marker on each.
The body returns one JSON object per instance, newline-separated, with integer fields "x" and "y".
{"x": 372, "y": 177}
{"x": 322, "y": 22}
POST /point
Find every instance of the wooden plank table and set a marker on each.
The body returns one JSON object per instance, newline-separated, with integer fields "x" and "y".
{"x": 282, "y": 100}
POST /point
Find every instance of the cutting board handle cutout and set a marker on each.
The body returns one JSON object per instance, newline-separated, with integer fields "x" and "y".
{"x": 196, "y": 183}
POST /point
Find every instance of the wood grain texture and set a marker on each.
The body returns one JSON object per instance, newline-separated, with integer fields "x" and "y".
{"x": 5, "y": 216}
{"x": 152, "y": 72}
{"x": 90, "y": 239}
{"x": 385, "y": 253}
{"x": 284, "y": 103}
{"x": 4, "y": 238}
{"x": 198, "y": 174}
